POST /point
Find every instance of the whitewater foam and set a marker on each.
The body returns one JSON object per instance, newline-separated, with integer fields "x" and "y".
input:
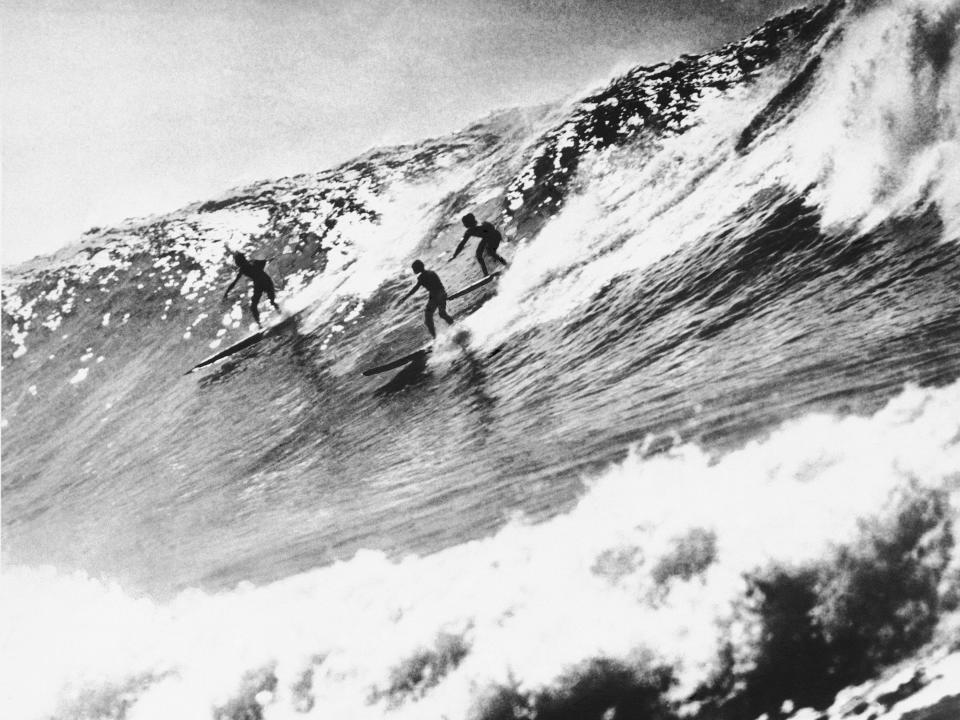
{"x": 878, "y": 133}
{"x": 631, "y": 211}
{"x": 875, "y": 137}
{"x": 368, "y": 254}
{"x": 648, "y": 567}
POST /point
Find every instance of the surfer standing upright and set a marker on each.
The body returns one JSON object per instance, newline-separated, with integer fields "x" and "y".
{"x": 430, "y": 281}
{"x": 489, "y": 236}
{"x": 262, "y": 283}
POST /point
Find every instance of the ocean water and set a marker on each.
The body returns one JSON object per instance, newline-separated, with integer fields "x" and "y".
{"x": 696, "y": 453}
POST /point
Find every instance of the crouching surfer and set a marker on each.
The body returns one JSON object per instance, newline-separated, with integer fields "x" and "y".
{"x": 437, "y": 302}
{"x": 489, "y": 236}
{"x": 254, "y": 270}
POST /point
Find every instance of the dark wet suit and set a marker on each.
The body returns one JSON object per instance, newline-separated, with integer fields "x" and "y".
{"x": 438, "y": 299}
{"x": 254, "y": 270}
{"x": 490, "y": 239}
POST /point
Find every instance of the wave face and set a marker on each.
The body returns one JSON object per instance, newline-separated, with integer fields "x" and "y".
{"x": 695, "y": 454}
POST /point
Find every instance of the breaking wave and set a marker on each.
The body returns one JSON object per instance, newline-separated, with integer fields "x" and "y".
{"x": 695, "y": 454}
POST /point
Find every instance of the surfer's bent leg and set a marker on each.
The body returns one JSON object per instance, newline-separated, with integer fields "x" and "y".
{"x": 442, "y": 308}
{"x": 480, "y": 250}
{"x": 492, "y": 252}
{"x": 272, "y": 296}
{"x": 428, "y": 315}
{"x": 254, "y": 301}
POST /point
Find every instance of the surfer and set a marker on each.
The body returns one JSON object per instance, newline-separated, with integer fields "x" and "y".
{"x": 430, "y": 281}
{"x": 261, "y": 282}
{"x": 489, "y": 236}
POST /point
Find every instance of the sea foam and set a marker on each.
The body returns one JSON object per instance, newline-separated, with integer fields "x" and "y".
{"x": 652, "y": 569}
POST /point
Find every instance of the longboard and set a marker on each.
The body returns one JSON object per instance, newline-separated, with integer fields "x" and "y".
{"x": 246, "y": 342}
{"x": 400, "y": 361}
{"x": 474, "y": 286}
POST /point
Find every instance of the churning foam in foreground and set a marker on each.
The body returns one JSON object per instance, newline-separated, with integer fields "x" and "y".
{"x": 428, "y": 636}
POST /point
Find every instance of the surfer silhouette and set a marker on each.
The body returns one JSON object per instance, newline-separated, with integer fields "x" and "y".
{"x": 430, "y": 281}
{"x": 254, "y": 270}
{"x": 490, "y": 239}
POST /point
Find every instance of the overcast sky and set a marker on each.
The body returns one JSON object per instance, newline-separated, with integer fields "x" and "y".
{"x": 125, "y": 108}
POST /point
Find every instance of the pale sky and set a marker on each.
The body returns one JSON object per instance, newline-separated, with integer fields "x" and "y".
{"x": 119, "y": 109}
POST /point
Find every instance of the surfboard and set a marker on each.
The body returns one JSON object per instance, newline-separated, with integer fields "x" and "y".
{"x": 246, "y": 342}
{"x": 400, "y": 361}
{"x": 474, "y": 286}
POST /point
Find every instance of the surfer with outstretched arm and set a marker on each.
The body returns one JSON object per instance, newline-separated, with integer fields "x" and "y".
{"x": 489, "y": 236}
{"x": 430, "y": 281}
{"x": 254, "y": 270}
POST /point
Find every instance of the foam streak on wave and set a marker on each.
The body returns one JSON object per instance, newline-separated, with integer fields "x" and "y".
{"x": 375, "y": 252}
{"x": 648, "y": 569}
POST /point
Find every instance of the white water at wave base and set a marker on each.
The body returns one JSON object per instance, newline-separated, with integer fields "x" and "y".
{"x": 516, "y": 609}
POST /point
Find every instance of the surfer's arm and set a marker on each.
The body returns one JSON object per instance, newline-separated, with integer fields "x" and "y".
{"x": 466, "y": 236}
{"x": 230, "y": 286}
{"x": 407, "y": 296}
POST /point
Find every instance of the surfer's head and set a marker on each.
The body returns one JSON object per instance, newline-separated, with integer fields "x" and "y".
{"x": 239, "y": 258}
{"x": 417, "y": 266}
{"x": 469, "y": 220}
